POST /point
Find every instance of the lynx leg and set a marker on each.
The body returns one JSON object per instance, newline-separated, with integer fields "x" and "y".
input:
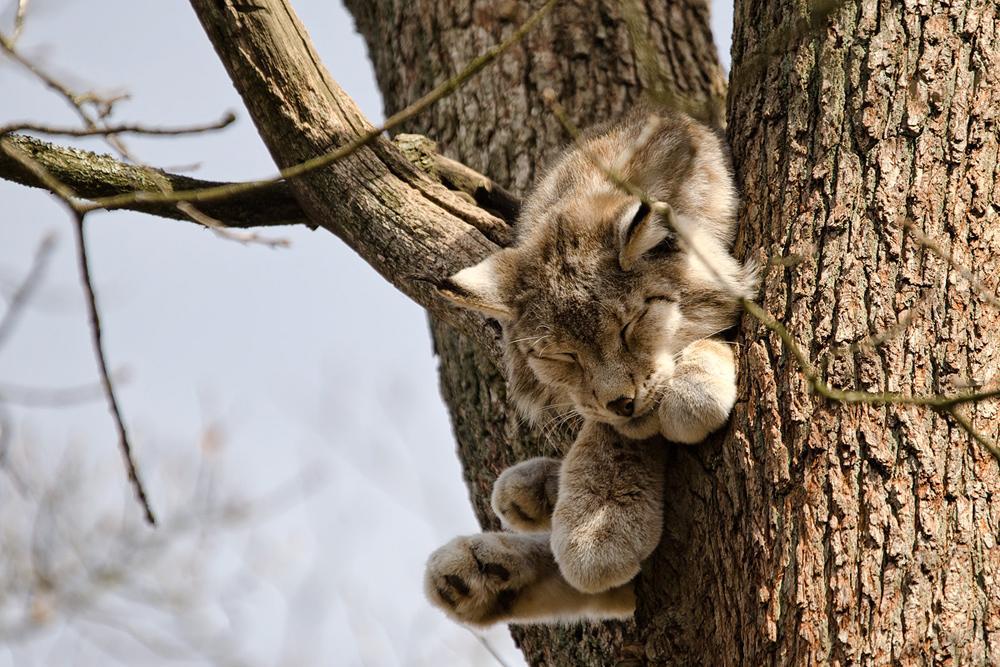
{"x": 493, "y": 577}
{"x": 524, "y": 495}
{"x": 609, "y": 515}
{"x": 701, "y": 392}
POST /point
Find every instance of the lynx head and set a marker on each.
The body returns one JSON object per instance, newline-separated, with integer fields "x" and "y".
{"x": 597, "y": 302}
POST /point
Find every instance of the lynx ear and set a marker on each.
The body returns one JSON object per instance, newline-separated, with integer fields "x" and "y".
{"x": 643, "y": 229}
{"x": 479, "y": 288}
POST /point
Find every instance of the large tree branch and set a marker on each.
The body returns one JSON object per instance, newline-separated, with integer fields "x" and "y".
{"x": 398, "y": 219}
{"x": 92, "y": 175}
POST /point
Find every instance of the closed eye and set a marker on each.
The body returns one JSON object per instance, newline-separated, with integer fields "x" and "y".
{"x": 660, "y": 297}
{"x": 626, "y": 332}
{"x": 561, "y": 357}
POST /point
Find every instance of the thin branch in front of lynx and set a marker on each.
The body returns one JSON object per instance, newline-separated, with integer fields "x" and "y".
{"x": 22, "y": 294}
{"x": 966, "y": 425}
{"x": 660, "y": 84}
{"x": 614, "y": 175}
{"x": 778, "y": 42}
{"x": 978, "y": 287}
{"x": 937, "y": 402}
{"x": 439, "y": 92}
{"x": 944, "y": 403}
{"x": 879, "y": 338}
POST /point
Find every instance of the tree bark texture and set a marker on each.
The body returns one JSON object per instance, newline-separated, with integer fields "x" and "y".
{"x": 862, "y": 535}
{"x": 499, "y": 125}
{"x": 811, "y": 533}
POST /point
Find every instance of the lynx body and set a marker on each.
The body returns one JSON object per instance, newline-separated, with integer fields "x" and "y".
{"x": 608, "y": 302}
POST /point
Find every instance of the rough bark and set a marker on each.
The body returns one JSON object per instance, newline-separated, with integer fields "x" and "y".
{"x": 94, "y": 176}
{"x": 862, "y": 535}
{"x": 501, "y": 127}
{"x": 812, "y": 533}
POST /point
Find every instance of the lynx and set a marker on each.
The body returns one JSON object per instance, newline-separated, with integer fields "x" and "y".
{"x": 608, "y": 306}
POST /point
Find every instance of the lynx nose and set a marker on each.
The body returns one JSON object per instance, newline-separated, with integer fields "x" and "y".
{"x": 622, "y": 406}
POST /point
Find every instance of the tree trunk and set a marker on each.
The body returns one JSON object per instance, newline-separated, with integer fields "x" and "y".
{"x": 499, "y": 126}
{"x": 811, "y": 533}
{"x": 867, "y": 144}
{"x": 868, "y": 535}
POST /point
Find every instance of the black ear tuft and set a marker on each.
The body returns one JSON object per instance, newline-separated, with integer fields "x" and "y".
{"x": 645, "y": 232}
{"x": 637, "y": 219}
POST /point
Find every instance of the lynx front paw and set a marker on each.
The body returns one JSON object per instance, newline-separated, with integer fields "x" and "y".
{"x": 477, "y": 579}
{"x": 524, "y": 495}
{"x": 608, "y": 517}
{"x": 701, "y": 392}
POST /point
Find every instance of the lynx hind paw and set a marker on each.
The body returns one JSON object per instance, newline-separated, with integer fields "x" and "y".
{"x": 476, "y": 579}
{"x": 524, "y": 495}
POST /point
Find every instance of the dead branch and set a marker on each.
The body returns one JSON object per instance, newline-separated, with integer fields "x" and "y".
{"x": 125, "y": 128}
{"x": 92, "y": 175}
{"x": 102, "y": 365}
{"x": 398, "y": 219}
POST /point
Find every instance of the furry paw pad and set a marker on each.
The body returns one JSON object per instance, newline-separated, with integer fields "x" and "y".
{"x": 477, "y": 579}
{"x": 524, "y": 495}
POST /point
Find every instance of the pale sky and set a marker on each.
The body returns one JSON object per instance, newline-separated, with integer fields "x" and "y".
{"x": 261, "y": 365}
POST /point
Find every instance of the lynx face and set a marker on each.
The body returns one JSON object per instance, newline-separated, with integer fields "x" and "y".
{"x": 601, "y": 293}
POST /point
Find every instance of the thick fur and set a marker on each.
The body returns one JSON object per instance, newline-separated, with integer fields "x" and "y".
{"x": 608, "y": 305}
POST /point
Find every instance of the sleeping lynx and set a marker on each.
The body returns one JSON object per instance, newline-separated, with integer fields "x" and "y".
{"x": 607, "y": 310}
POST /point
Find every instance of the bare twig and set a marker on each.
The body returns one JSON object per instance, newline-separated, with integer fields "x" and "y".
{"x": 442, "y": 90}
{"x": 926, "y": 242}
{"x": 126, "y": 128}
{"x": 223, "y": 231}
{"x": 879, "y": 338}
{"x": 967, "y": 426}
{"x": 70, "y": 199}
{"x": 75, "y": 100}
{"x": 19, "y": 16}
{"x": 95, "y": 329}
